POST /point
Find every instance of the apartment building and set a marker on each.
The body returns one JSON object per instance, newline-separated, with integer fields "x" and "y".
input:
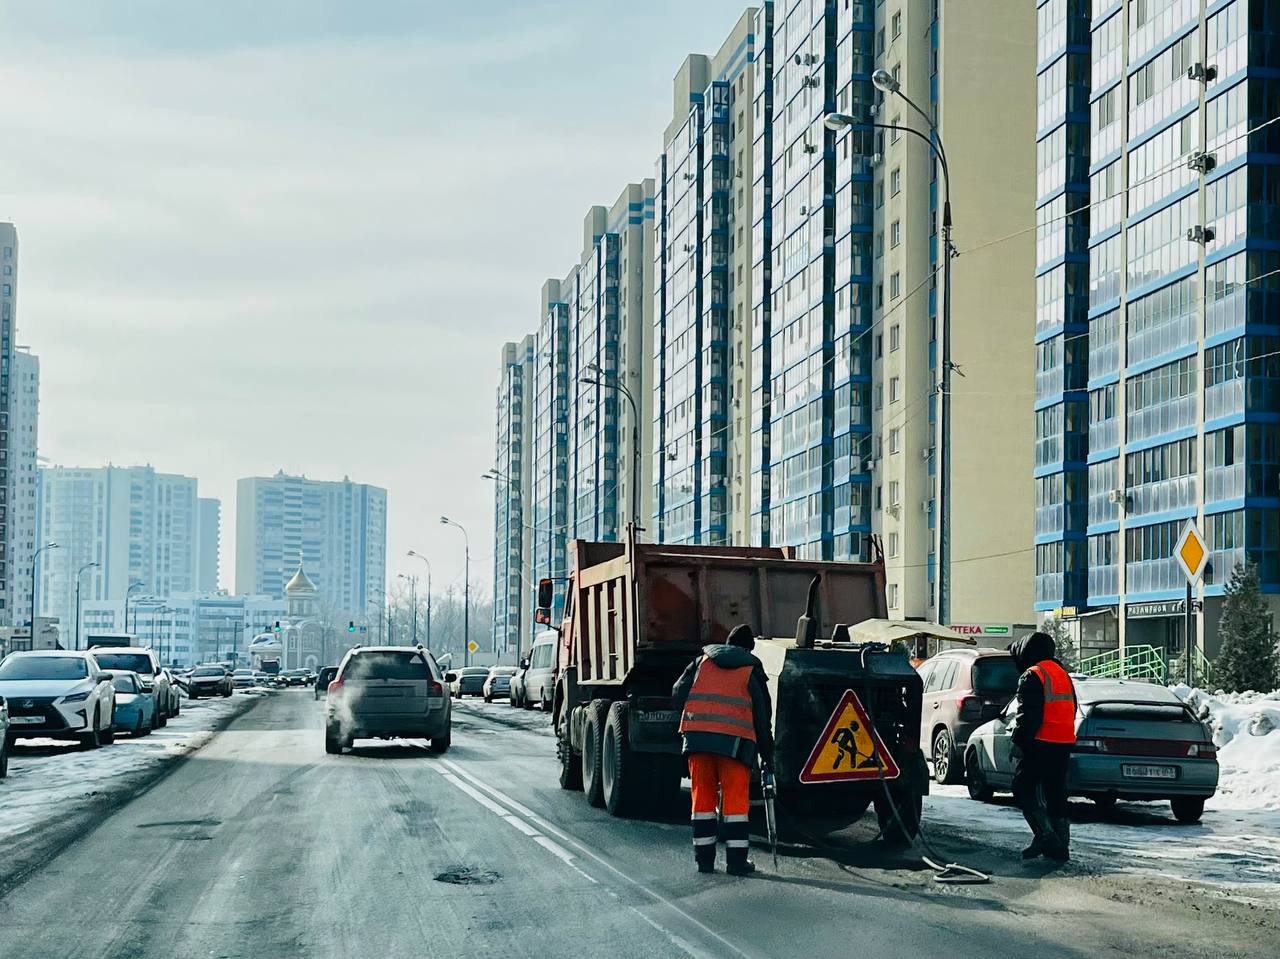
{"x": 209, "y": 544}
{"x": 8, "y": 335}
{"x": 23, "y": 519}
{"x": 512, "y": 470}
{"x": 1156, "y": 378}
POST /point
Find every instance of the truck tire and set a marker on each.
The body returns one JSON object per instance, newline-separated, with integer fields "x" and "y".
{"x": 570, "y": 765}
{"x": 623, "y": 778}
{"x": 902, "y": 828}
{"x": 592, "y": 748}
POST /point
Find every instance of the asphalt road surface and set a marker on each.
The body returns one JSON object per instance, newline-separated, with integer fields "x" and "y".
{"x": 260, "y": 845}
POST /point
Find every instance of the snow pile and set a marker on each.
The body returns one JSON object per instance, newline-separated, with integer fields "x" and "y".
{"x": 1246, "y": 730}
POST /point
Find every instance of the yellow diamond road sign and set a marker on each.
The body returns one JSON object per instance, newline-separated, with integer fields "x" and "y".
{"x": 1191, "y": 552}
{"x": 473, "y": 646}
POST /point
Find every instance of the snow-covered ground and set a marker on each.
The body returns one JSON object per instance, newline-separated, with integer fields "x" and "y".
{"x": 49, "y": 780}
{"x": 1246, "y": 729}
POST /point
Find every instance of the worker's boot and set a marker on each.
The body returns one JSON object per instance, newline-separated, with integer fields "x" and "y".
{"x": 737, "y": 863}
{"x": 706, "y": 858}
{"x": 1060, "y": 848}
{"x": 1035, "y": 850}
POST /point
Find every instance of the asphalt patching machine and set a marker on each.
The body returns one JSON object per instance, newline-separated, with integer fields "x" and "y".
{"x": 846, "y": 714}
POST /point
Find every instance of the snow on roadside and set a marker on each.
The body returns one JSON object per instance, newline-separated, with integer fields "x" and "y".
{"x": 48, "y": 779}
{"x": 1246, "y": 730}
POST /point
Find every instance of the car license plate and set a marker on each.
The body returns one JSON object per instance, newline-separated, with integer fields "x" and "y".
{"x": 1150, "y": 772}
{"x": 26, "y": 719}
{"x": 659, "y": 716}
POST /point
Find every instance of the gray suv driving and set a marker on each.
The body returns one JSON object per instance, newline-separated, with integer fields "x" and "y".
{"x": 387, "y": 692}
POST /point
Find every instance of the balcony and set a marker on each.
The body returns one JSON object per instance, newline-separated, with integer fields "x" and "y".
{"x": 1162, "y": 496}
{"x": 1223, "y": 483}
{"x": 1104, "y": 581}
{"x": 1153, "y": 575}
{"x": 1224, "y": 399}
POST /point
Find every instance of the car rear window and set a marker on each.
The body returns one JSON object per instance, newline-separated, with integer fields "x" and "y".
{"x": 43, "y": 667}
{"x": 386, "y": 665}
{"x": 210, "y": 671}
{"x": 996, "y": 675}
{"x": 1157, "y": 712}
{"x": 134, "y": 662}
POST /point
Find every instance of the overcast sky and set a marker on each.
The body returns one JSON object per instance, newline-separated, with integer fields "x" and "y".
{"x": 265, "y": 234}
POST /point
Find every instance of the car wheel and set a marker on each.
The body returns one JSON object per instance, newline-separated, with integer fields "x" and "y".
{"x": 93, "y": 738}
{"x": 177, "y": 708}
{"x": 441, "y": 744}
{"x": 109, "y": 734}
{"x": 1187, "y": 809}
{"x": 975, "y": 780}
{"x": 592, "y": 748}
{"x": 1105, "y": 801}
{"x": 138, "y": 726}
{"x": 332, "y": 741}
{"x": 4, "y": 757}
{"x": 525, "y": 701}
{"x": 488, "y": 699}
{"x": 946, "y": 771}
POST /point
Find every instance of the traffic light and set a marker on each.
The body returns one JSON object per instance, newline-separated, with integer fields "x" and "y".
{"x": 351, "y": 626}
{"x": 276, "y": 627}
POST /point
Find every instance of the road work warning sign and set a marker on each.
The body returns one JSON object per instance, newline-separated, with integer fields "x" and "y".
{"x": 849, "y": 748}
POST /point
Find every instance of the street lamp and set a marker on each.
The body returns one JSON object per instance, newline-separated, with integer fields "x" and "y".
{"x": 79, "y": 573}
{"x": 413, "y": 600}
{"x": 132, "y": 587}
{"x": 885, "y": 82}
{"x": 466, "y": 590}
{"x": 610, "y": 381}
{"x": 416, "y": 555}
{"x": 34, "y": 560}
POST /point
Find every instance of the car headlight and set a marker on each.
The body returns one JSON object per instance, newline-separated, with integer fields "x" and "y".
{"x": 77, "y": 697}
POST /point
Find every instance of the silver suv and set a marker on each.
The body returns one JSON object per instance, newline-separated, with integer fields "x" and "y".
{"x": 388, "y": 691}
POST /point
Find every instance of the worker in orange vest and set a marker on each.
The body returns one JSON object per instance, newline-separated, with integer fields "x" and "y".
{"x": 1044, "y": 734}
{"x": 725, "y": 716}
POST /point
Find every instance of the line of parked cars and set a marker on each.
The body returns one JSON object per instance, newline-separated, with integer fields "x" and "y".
{"x": 531, "y": 683}
{"x": 1134, "y": 741}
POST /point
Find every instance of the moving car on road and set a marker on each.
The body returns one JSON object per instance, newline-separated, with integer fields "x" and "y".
{"x": 470, "y": 681}
{"x": 323, "y": 679}
{"x": 1134, "y": 741}
{"x": 963, "y": 688}
{"x": 386, "y": 692}
{"x": 58, "y": 694}
{"x": 135, "y": 710}
{"x": 498, "y": 682}
{"x": 146, "y": 664}
{"x": 242, "y": 678}
{"x": 540, "y": 678}
{"x": 209, "y": 681}
{"x": 294, "y": 677}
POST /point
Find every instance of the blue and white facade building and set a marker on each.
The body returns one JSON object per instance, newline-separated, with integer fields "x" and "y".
{"x": 513, "y": 536}
{"x": 1182, "y": 367}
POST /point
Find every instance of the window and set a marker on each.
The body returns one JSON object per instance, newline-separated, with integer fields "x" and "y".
{"x": 895, "y": 182}
{"x": 879, "y": 294}
{"x": 895, "y": 441}
{"x": 895, "y": 389}
{"x": 893, "y": 595}
{"x": 895, "y": 134}
{"x": 895, "y": 494}
{"x": 879, "y": 194}
{"x": 897, "y": 25}
{"x": 895, "y": 234}
{"x": 893, "y": 544}
{"x": 895, "y": 338}
{"x": 895, "y": 286}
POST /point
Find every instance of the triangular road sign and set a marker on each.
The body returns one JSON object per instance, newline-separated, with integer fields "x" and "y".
{"x": 849, "y": 748}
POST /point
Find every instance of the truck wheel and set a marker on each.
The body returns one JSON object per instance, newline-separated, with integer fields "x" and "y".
{"x": 902, "y": 828}
{"x": 621, "y": 776}
{"x": 570, "y": 765}
{"x": 592, "y": 747}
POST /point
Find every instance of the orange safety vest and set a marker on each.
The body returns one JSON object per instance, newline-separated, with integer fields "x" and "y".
{"x": 720, "y": 702}
{"x": 1059, "y": 723}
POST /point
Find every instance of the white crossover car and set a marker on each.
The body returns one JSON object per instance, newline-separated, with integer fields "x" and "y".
{"x": 58, "y": 694}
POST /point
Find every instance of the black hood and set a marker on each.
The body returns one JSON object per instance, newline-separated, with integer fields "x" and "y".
{"x": 729, "y": 657}
{"x": 1032, "y": 649}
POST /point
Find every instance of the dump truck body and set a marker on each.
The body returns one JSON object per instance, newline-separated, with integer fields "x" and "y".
{"x": 636, "y": 615}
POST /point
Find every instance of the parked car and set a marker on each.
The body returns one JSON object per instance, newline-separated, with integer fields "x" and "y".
{"x": 324, "y": 678}
{"x": 963, "y": 688}
{"x": 540, "y": 677}
{"x": 515, "y": 688}
{"x": 385, "y": 692}
{"x": 146, "y": 664}
{"x": 6, "y": 741}
{"x": 209, "y": 681}
{"x": 242, "y": 678}
{"x": 175, "y": 694}
{"x": 1134, "y": 741}
{"x": 135, "y": 710}
{"x": 498, "y": 682}
{"x": 470, "y": 681}
{"x": 59, "y": 694}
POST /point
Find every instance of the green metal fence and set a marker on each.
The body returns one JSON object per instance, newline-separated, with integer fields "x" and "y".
{"x": 1132, "y": 662}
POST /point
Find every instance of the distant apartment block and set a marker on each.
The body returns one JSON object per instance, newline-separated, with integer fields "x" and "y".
{"x": 337, "y": 529}
{"x": 209, "y": 544}
{"x": 24, "y": 409}
{"x": 513, "y": 469}
{"x": 8, "y": 336}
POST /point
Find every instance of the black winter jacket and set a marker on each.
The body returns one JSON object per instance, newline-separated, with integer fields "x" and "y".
{"x": 1027, "y": 652}
{"x": 745, "y": 751}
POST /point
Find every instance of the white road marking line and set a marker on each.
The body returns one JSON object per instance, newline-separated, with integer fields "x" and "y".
{"x": 493, "y": 807}
{"x": 587, "y": 851}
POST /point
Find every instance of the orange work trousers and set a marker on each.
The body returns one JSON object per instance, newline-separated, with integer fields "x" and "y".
{"x": 719, "y": 781}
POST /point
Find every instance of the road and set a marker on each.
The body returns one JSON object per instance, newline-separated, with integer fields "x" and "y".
{"x": 260, "y": 845}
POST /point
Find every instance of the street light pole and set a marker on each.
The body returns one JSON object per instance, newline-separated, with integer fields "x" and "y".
{"x": 35, "y": 558}
{"x": 428, "y": 562}
{"x": 885, "y": 82}
{"x": 466, "y": 590}
{"x": 614, "y": 382}
{"x": 132, "y": 587}
{"x": 413, "y": 602}
{"x": 79, "y": 573}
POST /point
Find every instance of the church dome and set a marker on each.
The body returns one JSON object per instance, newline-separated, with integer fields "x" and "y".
{"x": 301, "y": 583}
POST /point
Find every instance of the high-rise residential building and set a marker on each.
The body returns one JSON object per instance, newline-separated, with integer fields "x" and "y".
{"x": 208, "y": 544}
{"x": 593, "y": 361}
{"x": 137, "y": 525}
{"x": 513, "y": 469}
{"x": 8, "y": 334}
{"x": 24, "y": 409}
{"x": 702, "y": 281}
{"x": 1156, "y": 373}
{"x": 337, "y": 529}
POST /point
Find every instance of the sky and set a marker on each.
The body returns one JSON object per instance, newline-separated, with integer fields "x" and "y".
{"x": 294, "y": 234}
